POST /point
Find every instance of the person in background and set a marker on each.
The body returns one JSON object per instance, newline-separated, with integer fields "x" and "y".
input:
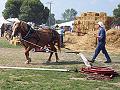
{"x": 79, "y": 30}
{"x": 101, "y": 43}
{"x": 70, "y": 29}
{"x": 61, "y": 33}
{"x": 2, "y": 30}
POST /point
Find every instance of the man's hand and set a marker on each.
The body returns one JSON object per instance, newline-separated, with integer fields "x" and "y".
{"x": 95, "y": 35}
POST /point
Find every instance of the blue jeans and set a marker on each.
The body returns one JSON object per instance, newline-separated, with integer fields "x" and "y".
{"x": 61, "y": 40}
{"x": 101, "y": 46}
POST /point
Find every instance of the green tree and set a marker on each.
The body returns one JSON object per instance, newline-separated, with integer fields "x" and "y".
{"x": 116, "y": 12}
{"x": 12, "y": 8}
{"x": 51, "y": 20}
{"x": 26, "y": 10}
{"x": 60, "y": 21}
{"x": 69, "y": 14}
{"x": 45, "y": 15}
{"x": 34, "y": 11}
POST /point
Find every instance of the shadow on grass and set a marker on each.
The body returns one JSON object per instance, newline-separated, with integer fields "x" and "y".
{"x": 59, "y": 63}
{"x": 64, "y": 63}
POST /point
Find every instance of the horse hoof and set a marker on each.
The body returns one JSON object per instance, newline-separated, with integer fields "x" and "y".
{"x": 27, "y": 62}
{"x": 57, "y": 61}
{"x": 29, "y": 59}
{"x": 48, "y": 61}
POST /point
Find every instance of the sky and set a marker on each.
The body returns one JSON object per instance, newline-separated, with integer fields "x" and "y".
{"x": 59, "y": 6}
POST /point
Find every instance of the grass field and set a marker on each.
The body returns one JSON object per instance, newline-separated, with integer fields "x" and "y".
{"x": 11, "y": 79}
{"x": 49, "y": 80}
{"x": 5, "y": 44}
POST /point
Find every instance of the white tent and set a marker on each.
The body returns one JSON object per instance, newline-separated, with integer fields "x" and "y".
{"x": 66, "y": 24}
{"x": 12, "y": 19}
{"x": 2, "y": 20}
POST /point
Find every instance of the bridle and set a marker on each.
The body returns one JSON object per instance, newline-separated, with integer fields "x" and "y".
{"x": 29, "y": 33}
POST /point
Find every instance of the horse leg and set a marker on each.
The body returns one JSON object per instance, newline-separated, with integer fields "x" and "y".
{"x": 54, "y": 50}
{"x": 56, "y": 54}
{"x": 27, "y": 55}
{"x": 6, "y": 36}
{"x": 51, "y": 53}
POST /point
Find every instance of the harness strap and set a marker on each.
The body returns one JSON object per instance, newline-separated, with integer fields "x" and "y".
{"x": 31, "y": 30}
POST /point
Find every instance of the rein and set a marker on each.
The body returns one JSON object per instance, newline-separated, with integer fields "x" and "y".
{"x": 28, "y": 35}
{"x": 47, "y": 50}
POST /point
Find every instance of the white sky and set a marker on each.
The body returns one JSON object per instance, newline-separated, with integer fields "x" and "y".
{"x": 59, "y": 6}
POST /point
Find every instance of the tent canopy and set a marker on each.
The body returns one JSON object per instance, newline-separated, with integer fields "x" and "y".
{"x": 2, "y": 20}
{"x": 66, "y": 24}
{"x": 12, "y": 19}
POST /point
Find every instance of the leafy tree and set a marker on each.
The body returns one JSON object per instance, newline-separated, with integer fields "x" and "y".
{"x": 60, "y": 21}
{"x": 27, "y": 10}
{"x": 116, "y": 12}
{"x": 51, "y": 20}
{"x": 33, "y": 10}
{"x": 69, "y": 14}
{"x": 12, "y": 8}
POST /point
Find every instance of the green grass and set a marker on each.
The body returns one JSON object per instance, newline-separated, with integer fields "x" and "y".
{"x": 5, "y": 44}
{"x": 51, "y": 80}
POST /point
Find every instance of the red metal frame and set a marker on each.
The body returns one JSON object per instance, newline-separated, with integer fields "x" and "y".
{"x": 99, "y": 71}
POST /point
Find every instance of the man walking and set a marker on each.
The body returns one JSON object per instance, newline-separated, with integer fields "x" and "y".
{"x": 101, "y": 43}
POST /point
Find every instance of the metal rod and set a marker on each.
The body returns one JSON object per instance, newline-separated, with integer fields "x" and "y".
{"x": 41, "y": 69}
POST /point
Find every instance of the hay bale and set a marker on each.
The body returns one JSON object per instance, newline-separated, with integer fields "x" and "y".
{"x": 113, "y": 38}
{"x": 88, "y": 41}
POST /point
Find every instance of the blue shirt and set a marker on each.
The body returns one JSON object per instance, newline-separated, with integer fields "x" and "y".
{"x": 102, "y": 34}
{"x": 60, "y": 31}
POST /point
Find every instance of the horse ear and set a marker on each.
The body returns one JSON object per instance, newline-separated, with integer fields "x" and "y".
{"x": 20, "y": 22}
{"x": 23, "y": 25}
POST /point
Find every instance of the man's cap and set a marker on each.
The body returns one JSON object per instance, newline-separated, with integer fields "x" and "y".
{"x": 101, "y": 24}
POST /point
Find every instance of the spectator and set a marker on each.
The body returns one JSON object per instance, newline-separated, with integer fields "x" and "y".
{"x": 61, "y": 33}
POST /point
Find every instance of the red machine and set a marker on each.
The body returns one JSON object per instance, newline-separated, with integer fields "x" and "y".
{"x": 99, "y": 73}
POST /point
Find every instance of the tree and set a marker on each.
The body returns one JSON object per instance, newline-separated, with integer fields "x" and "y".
{"x": 12, "y": 8}
{"x": 116, "y": 12}
{"x": 26, "y": 10}
{"x": 60, "y": 21}
{"x": 51, "y": 20}
{"x": 34, "y": 11}
{"x": 69, "y": 14}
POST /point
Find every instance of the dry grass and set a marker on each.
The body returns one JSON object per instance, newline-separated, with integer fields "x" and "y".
{"x": 88, "y": 41}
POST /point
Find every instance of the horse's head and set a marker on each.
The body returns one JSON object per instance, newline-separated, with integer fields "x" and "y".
{"x": 18, "y": 27}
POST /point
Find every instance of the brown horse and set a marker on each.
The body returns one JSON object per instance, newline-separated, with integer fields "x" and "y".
{"x": 31, "y": 38}
{"x": 6, "y": 31}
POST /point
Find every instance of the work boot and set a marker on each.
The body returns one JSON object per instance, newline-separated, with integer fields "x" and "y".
{"x": 108, "y": 61}
{"x": 92, "y": 61}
